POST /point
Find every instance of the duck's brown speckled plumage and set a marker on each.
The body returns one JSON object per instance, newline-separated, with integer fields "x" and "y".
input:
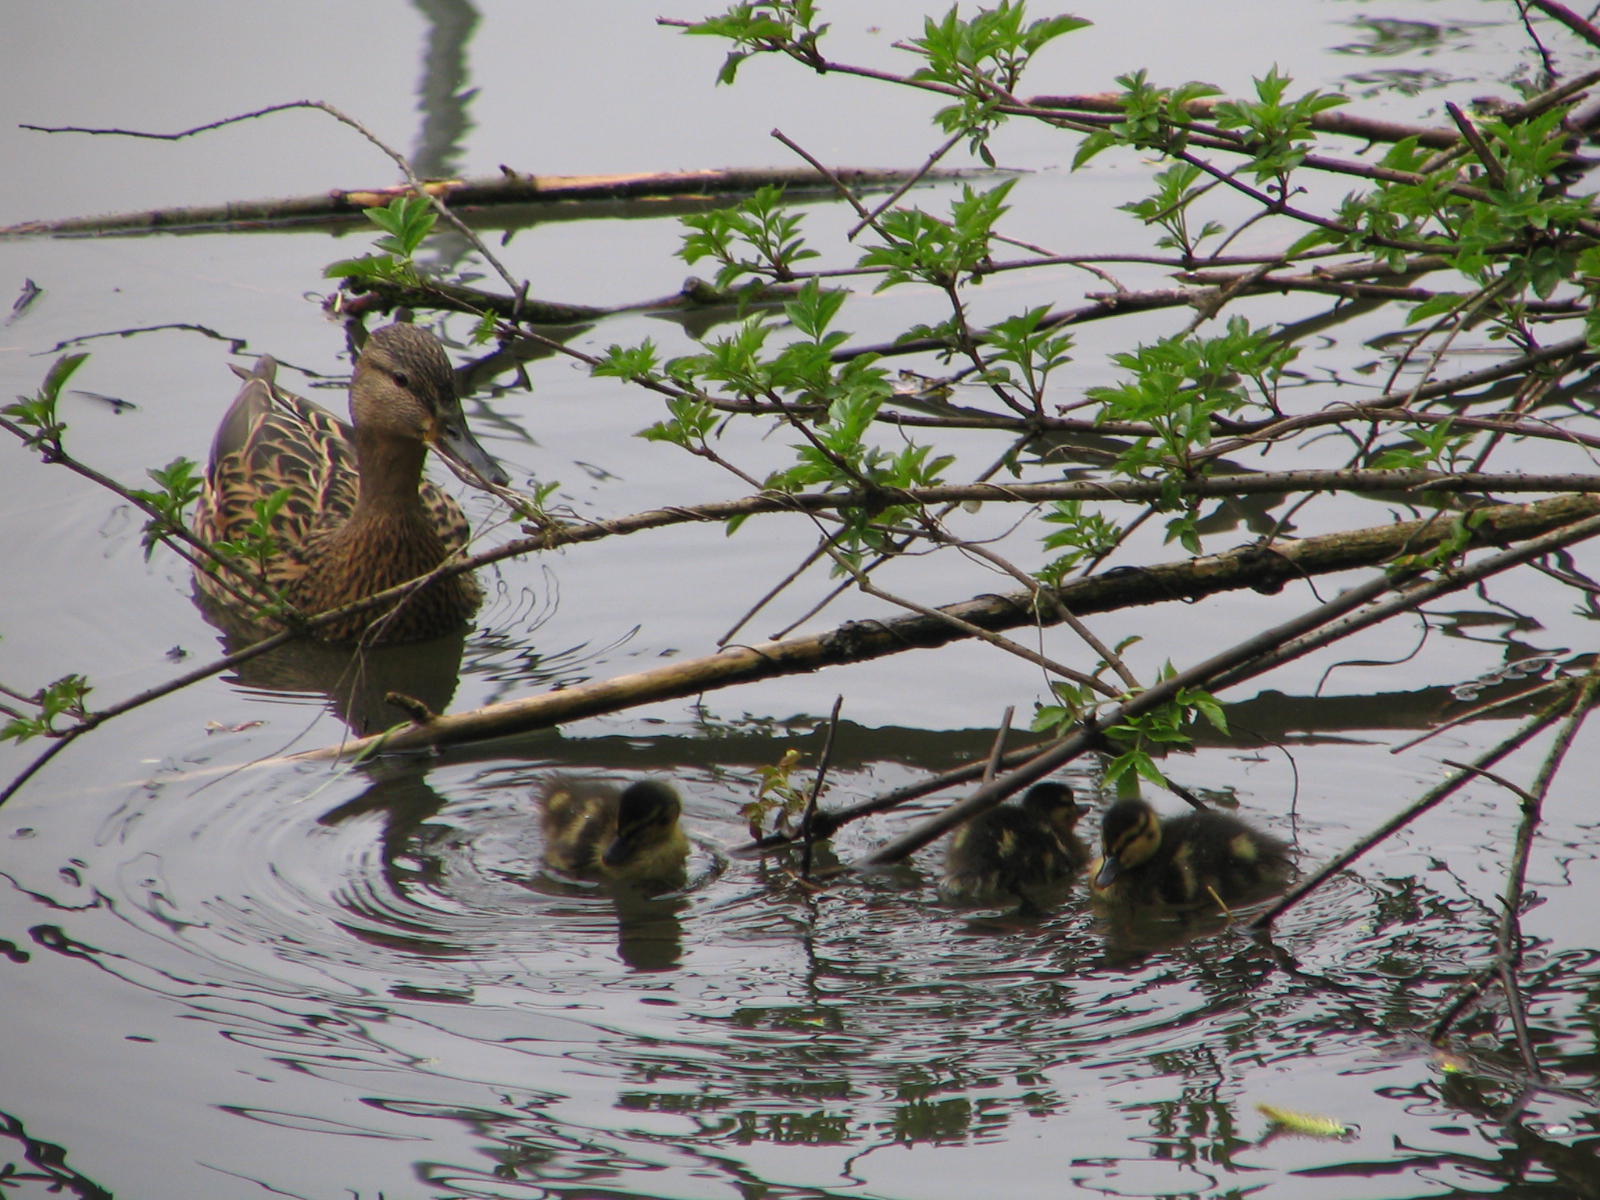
{"x": 1202, "y": 859}
{"x": 359, "y": 518}
{"x": 1016, "y": 851}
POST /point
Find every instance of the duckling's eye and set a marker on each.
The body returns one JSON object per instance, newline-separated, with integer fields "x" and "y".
{"x": 401, "y": 378}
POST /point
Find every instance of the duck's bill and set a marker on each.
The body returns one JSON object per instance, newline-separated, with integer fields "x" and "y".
{"x": 621, "y": 848}
{"x": 460, "y": 449}
{"x": 1110, "y": 868}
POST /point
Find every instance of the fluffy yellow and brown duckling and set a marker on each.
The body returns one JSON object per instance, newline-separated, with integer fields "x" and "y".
{"x": 1198, "y": 859}
{"x": 593, "y": 831}
{"x": 1015, "y": 851}
{"x": 358, "y": 517}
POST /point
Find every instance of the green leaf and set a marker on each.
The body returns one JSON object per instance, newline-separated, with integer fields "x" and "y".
{"x": 758, "y": 236}
{"x": 1436, "y": 306}
{"x": 40, "y": 412}
{"x": 407, "y": 221}
{"x": 180, "y": 482}
{"x": 691, "y": 423}
{"x": 629, "y": 362}
{"x": 813, "y": 310}
{"x": 64, "y": 697}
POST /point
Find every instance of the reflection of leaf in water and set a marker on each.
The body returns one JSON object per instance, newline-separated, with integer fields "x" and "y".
{"x": 29, "y": 292}
{"x": 1388, "y": 37}
{"x": 1382, "y": 37}
{"x": 1399, "y": 82}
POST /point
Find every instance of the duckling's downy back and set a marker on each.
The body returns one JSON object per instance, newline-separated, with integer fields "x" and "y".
{"x": 1015, "y": 852}
{"x": 1197, "y": 859}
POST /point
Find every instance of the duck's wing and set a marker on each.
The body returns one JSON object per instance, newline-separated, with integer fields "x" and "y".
{"x": 271, "y": 440}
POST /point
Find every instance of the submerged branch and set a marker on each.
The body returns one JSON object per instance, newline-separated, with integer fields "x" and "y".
{"x": 1264, "y": 568}
{"x": 1411, "y": 812}
{"x": 561, "y": 195}
{"x": 1358, "y": 608}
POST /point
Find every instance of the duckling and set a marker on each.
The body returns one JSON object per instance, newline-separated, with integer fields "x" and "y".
{"x": 1197, "y": 859}
{"x": 593, "y": 831}
{"x": 359, "y": 517}
{"x": 1014, "y": 850}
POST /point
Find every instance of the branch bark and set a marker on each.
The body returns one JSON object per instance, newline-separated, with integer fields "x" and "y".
{"x": 557, "y": 193}
{"x": 1263, "y": 568}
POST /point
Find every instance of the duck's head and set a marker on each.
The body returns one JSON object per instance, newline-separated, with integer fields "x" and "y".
{"x": 1053, "y": 803}
{"x": 647, "y": 817}
{"x": 1130, "y": 834}
{"x": 404, "y": 390}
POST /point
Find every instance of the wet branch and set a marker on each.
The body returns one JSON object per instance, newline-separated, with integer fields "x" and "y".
{"x": 1428, "y": 800}
{"x": 1507, "y": 955}
{"x": 475, "y": 197}
{"x": 861, "y": 641}
{"x": 1351, "y": 611}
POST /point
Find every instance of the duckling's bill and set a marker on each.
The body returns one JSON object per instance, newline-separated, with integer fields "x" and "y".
{"x": 1104, "y": 872}
{"x": 630, "y": 844}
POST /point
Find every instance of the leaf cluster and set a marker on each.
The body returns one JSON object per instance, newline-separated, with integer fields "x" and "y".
{"x": 1498, "y": 211}
{"x": 759, "y": 237}
{"x": 257, "y": 544}
{"x": 406, "y": 221}
{"x": 981, "y": 59}
{"x": 178, "y": 486}
{"x": 64, "y": 698}
{"x": 39, "y": 415}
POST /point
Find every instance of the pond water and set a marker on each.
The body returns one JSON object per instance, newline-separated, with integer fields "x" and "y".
{"x": 227, "y": 973}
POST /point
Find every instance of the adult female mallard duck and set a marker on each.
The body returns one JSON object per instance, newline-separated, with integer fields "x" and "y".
{"x": 1199, "y": 858}
{"x": 1016, "y": 850}
{"x": 593, "y": 831}
{"x": 358, "y": 516}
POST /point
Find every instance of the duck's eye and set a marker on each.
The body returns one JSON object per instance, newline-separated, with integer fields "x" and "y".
{"x": 401, "y": 378}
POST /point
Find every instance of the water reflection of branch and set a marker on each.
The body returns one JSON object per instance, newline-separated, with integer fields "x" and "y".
{"x": 1572, "y": 1165}
{"x": 1359, "y": 608}
{"x": 442, "y": 93}
{"x": 50, "y": 1163}
{"x": 1508, "y": 936}
{"x": 1411, "y": 812}
{"x": 443, "y": 96}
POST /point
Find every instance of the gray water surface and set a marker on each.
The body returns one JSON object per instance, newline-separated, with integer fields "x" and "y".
{"x": 226, "y": 974}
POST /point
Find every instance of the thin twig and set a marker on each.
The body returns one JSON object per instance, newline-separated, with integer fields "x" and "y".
{"x": 173, "y": 534}
{"x": 997, "y": 750}
{"x": 400, "y": 160}
{"x": 1246, "y": 660}
{"x": 100, "y": 716}
{"x": 895, "y": 196}
{"x": 1508, "y": 939}
{"x": 1400, "y": 820}
{"x": 1491, "y": 165}
{"x": 1088, "y": 738}
{"x": 824, "y": 760}
{"x": 1584, "y": 29}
